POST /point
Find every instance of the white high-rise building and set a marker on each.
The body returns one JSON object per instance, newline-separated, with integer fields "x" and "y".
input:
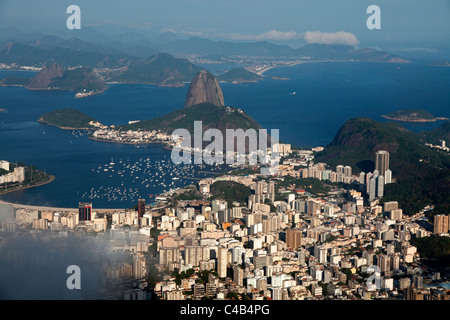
{"x": 362, "y": 176}
{"x": 369, "y": 175}
{"x": 376, "y": 173}
{"x": 388, "y": 176}
{"x": 236, "y": 255}
{"x": 347, "y": 171}
{"x": 291, "y": 199}
{"x": 320, "y": 253}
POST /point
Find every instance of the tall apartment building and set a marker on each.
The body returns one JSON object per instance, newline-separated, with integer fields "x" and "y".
{"x": 141, "y": 208}
{"x": 169, "y": 255}
{"x": 84, "y": 211}
{"x": 139, "y": 269}
{"x": 194, "y": 254}
{"x": 441, "y": 223}
{"x": 293, "y": 238}
{"x": 238, "y": 275}
{"x": 320, "y": 253}
{"x": 347, "y": 171}
{"x": 382, "y": 162}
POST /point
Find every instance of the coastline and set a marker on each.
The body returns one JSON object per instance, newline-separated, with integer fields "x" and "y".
{"x": 47, "y": 208}
{"x": 62, "y": 128}
{"x": 51, "y": 178}
{"x": 418, "y": 120}
{"x": 124, "y": 142}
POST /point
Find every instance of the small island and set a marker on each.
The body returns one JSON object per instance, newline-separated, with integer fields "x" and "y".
{"x": 69, "y": 119}
{"x": 412, "y": 115}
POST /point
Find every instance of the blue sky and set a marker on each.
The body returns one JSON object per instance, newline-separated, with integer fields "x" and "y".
{"x": 403, "y": 22}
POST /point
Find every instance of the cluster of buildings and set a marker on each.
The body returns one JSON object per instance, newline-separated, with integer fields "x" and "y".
{"x": 442, "y": 147}
{"x": 17, "y": 175}
{"x": 372, "y": 183}
{"x": 309, "y": 247}
{"x": 279, "y": 244}
{"x": 111, "y": 134}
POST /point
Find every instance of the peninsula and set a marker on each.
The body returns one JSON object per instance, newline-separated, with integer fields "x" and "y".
{"x": 239, "y": 75}
{"x": 68, "y": 119}
{"x": 18, "y": 176}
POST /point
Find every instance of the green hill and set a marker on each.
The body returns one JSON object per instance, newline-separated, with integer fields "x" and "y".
{"x": 435, "y": 248}
{"x": 212, "y": 116}
{"x": 230, "y": 191}
{"x": 422, "y": 174}
{"x": 67, "y": 118}
{"x": 239, "y": 75}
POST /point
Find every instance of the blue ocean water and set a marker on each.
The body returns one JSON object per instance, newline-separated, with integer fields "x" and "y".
{"x": 326, "y": 95}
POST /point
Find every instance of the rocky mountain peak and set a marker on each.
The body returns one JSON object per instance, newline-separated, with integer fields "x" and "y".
{"x": 204, "y": 88}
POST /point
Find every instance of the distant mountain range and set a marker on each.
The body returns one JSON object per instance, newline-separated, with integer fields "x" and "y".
{"x": 27, "y": 55}
{"x": 97, "y": 50}
{"x": 134, "y": 58}
{"x": 207, "y": 47}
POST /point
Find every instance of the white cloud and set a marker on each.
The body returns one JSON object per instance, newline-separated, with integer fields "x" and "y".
{"x": 340, "y": 37}
{"x": 272, "y": 35}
